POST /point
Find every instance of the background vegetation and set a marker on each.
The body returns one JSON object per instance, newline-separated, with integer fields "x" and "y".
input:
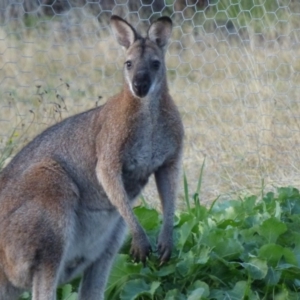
{"x": 233, "y": 69}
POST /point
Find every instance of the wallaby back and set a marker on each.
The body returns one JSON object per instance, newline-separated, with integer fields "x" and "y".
{"x": 65, "y": 197}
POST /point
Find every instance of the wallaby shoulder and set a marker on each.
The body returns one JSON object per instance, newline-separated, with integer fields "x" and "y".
{"x": 62, "y": 135}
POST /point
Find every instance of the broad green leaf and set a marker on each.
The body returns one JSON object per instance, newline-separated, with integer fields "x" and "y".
{"x": 121, "y": 271}
{"x": 218, "y": 294}
{"x": 289, "y": 257}
{"x": 148, "y": 217}
{"x": 165, "y": 270}
{"x": 290, "y": 269}
{"x": 182, "y": 268}
{"x": 66, "y": 291}
{"x": 269, "y": 205}
{"x": 269, "y": 197}
{"x": 271, "y": 229}
{"x": 185, "y": 266}
{"x": 25, "y": 295}
{"x": 250, "y": 239}
{"x": 212, "y": 236}
{"x": 203, "y": 255}
{"x": 289, "y": 197}
{"x": 211, "y": 223}
{"x": 174, "y": 295}
{"x": 287, "y": 192}
{"x": 249, "y": 204}
{"x": 294, "y": 225}
{"x": 253, "y": 220}
{"x": 202, "y": 289}
{"x": 183, "y": 217}
{"x": 228, "y": 210}
{"x": 296, "y": 207}
{"x": 283, "y": 294}
{"x": 278, "y": 210}
{"x": 176, "y": 219}
{"x": 137, "y": 287}
{"x": 184, "y": 233}
{"x": 72, "y": 296}
{"x": 200, "y": 212}
{"x": 296, "y": 251}
{"x": 239, "y": 292}
{"x": 229, "y": 223}
{"x": 272, "y": 253}
{"x": 196, "y": 294}
{"x": 257, "y": 268}
{"x": 229, "y": 248}
{"x": 273, "y": 277}
{"x": 153, "y": 287}
{"x": 297, "y": 283}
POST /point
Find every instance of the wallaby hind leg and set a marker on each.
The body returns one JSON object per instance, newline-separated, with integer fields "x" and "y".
{"x": 7, "y": 290}
{"x": 95, "y": 277}
{"x": 45, "y": 282}
{"x": 33, "y": 244}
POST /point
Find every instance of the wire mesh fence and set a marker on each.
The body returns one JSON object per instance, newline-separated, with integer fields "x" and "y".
{"x": 233, "y": 70}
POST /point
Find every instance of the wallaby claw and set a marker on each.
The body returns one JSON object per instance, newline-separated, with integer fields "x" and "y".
{"x": 164, "y": 257}
{"x": 165, "y": 251}
{"x": 140, "y": 252}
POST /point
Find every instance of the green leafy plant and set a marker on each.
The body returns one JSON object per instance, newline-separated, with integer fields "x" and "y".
{"x": 234, "y": 249}
{"x": 247, "y": 248}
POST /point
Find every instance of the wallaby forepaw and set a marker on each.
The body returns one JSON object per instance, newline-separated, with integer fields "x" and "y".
{"x": 164, "y": 251}
{"x": 140, "y": 250}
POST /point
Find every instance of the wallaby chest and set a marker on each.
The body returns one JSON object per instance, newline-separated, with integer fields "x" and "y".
{"x": 149, "y": 147}
{"x": 147, "y": 153}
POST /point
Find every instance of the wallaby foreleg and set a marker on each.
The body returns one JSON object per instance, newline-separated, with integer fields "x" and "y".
{"x": 166, "y": 179}
{"x": 113, "y": 186}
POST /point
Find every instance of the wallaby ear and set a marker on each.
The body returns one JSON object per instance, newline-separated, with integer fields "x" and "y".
{"x": 160, "y": 31}
{"x": 123, "y": 31}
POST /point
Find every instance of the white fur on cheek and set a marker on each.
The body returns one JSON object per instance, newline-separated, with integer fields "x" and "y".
{"x": 129, "y": 84}
{"x": 155, "y": 86}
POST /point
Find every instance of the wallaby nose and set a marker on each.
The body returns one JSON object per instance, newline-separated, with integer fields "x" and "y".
{"x": 141, "y": 84}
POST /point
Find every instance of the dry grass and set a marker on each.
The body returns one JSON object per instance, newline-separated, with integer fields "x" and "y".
{"x": 239, "y": 101}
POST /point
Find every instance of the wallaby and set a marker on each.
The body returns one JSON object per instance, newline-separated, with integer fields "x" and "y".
{"x": 66, "y": 197}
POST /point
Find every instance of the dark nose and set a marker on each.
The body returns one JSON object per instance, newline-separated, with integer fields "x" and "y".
{"x": 141, "y": 84}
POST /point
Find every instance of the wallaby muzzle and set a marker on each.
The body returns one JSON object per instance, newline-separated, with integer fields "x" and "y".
{"x": 141, "y": 84}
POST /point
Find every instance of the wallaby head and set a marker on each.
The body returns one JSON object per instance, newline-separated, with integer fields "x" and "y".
{"x": 144, "y": 68}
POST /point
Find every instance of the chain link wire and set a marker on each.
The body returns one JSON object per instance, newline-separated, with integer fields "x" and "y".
{"x": 233, "y": 70}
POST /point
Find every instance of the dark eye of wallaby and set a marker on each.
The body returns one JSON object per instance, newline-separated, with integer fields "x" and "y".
{"x": 128, "y": 64}
{"x": 156, "y": 64}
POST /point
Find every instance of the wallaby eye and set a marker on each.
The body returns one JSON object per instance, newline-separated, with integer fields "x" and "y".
{"x": 128, "y": 64}
{"x": 156, "y": 64}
